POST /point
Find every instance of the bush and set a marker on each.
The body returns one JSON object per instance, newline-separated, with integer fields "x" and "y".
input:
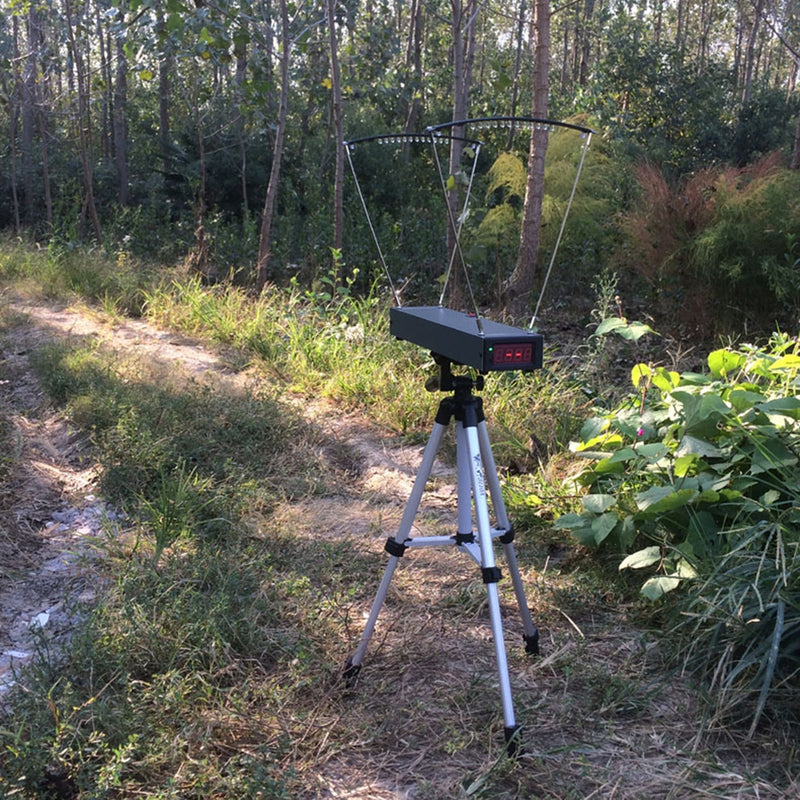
{"x": 697, "y": 476}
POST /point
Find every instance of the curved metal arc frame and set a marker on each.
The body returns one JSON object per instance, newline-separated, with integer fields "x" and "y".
{"x": 434, "y": 135}
{"x": 495, "y": 121}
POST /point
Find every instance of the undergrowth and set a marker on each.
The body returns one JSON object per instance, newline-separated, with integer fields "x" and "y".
{"x": 210, "y": 668}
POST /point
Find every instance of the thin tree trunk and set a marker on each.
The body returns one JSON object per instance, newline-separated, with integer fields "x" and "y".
{"x": 414, "y": 66}
{"x": 29, "y": 81}
{"x": 84, "y": 124}
{"x": 120, "y": 122}
{"x": 15, "y": 93}
{"x": 268, "y": 215}
{"x": 750, "y": 53}
{"x": 338, "y": 132}
{"x": 520, "y": 284}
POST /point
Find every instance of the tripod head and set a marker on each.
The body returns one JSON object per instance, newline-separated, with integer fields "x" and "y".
{"x": 445, "y": 381}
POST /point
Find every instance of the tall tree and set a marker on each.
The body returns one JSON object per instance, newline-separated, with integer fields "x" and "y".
{"x": 337, "y": 120}
{"x": 84, "y": 117}
{"x": 268, "y": 214}
{"x": 520, "y": 284}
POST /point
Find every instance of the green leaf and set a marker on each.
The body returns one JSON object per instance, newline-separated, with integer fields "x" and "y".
{"x": 598, "y": 503}
{"x": 691, "y": 445}
{"x": 653, "y": 451}
{"x": 642, "y": 558}
{"x": 609, "y": 325}
{"x": 771, "y": 454}
{"x": 660, "y": 499}
{"x": 639, "y": 373}
{"x": 790, "y": 362}
{"x": 684, "y": 464}
{"x": 632, "y": 331}
{"x": 722, "y": 362}
{"x": 655, "y": 588}
{"x": 603, "y": 525}
{"x": 785, "y": 406}
{"x": 665, "y": 380}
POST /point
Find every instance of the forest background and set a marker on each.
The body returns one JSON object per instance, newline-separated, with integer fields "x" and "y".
{"x": 211, "y": 135}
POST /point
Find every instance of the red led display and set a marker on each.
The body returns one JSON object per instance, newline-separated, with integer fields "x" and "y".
{"x": 512, "y": 355}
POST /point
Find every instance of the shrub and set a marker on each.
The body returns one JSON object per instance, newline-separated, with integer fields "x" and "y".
{"x": 697, "y": 476}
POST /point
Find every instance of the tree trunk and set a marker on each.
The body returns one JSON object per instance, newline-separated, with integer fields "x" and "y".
{"x": 120, "y": 122}
{"x": 750, "y": 53}
{"x": 414, "y": 67}
{"x": 84, "y": 123}
{"x": 338, "y": 133}
{"x": 14, "y": 93}
{"x": 463, "y": 27}
{"x": 796, "y": 149}
{"x": 29, "y": 81}
{"x": 268, "y": 214}
{"x": 165, "y": 67}
{"x": 520, "y": 284}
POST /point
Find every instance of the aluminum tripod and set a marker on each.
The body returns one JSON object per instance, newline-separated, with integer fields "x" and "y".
{"x": 476, "y": 473}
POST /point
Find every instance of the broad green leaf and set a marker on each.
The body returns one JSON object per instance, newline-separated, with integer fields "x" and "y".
{"x": 642, "y": 558}
{"x": 723, "y": 362}
{"x": 639, "y": 373}
{"x": 789, "y": 362}
{"x": 592, "y": 428}
{"x": 634, "y": 331}
{"x": 771, "y": 454}
{"x": 625, "y": 454}
{"x": 603, "y": 525}
{"x": 609, "y": 466}
{"x": 684, "y": 464}
{"x": 653, "y": 451}
{"x": 609, "y": 325}
{"x": 655, "y": 588}
{"x": 665, "y": 380}
{"x": 691, "y": 445}
{"x": 598, "y": 503}
{"x": 785, "y": 406}
{"x": 451, "y": 183}
{"x": 742, "y": 399}
{"x": 660, "y": 499}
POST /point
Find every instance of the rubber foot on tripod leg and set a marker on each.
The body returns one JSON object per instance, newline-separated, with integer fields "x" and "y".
{"x": 350, "y": 673}
{"x": 513, "y": 746}
{"x": 532, "y": 643}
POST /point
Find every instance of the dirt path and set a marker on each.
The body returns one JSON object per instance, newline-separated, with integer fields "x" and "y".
{"x": 53, "y": 514}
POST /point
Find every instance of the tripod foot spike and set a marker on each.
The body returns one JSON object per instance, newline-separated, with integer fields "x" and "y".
{"x": 350, "y": 673}
{"x": 532, "y": 643}
{"x": 513, "y": 746}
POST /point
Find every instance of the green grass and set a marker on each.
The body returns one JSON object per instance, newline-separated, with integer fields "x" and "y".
{"x": 237, "y": 585}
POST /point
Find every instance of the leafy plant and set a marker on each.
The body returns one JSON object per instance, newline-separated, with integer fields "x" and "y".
{"x": 697, "y": 478}
{"x": 691, "y": 458}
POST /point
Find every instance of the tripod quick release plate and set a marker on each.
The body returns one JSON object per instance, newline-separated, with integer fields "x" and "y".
{"x": 486, "y": 346}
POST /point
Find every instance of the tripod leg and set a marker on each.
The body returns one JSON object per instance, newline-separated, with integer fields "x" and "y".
{"x": 490, "y": 577}
{"x": 395, "y": 547}
{"x": 531, "y": 632}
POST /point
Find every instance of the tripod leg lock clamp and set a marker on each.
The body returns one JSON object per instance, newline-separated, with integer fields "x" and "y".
{"x": 491, "y": 574}
{"x": 508, "y": 536}
{"x": 395, "y": 548}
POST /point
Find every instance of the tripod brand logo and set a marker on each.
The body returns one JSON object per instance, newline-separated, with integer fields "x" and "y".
{"x": 480, "y": 484}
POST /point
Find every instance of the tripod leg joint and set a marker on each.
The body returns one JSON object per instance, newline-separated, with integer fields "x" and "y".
{"x": 395, "y": 548}
{"x": 508, "y": 536}
{"x": 491, "y": 574}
